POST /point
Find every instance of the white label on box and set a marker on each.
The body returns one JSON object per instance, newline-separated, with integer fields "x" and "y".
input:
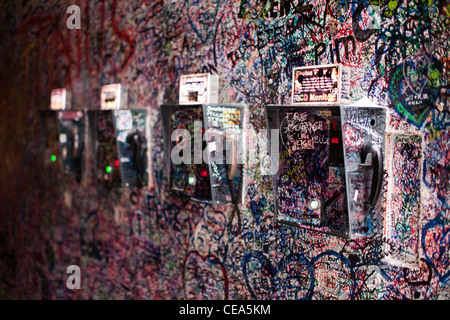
{"x": 199, "y": 88}
{"x": 124, "y": 120}
{"x": 63, "y": 138}
{"x": 121, "y": 136}
{"x": 212, "y": 146}
{"x": 316, "y": 85}
{"x": 111, "y": 96}
{"x": 355, "y": 197}
{"x": 59, "y": 99}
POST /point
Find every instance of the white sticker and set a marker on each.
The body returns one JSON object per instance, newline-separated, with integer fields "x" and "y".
{"x": 124, "y": 120}
{"x": 110, "y": 96}
{"x": 355, "y": 197}
{"x": 63, "y": 138}
{"x": 212, "y": 146}
{"x": 122, "y": 136}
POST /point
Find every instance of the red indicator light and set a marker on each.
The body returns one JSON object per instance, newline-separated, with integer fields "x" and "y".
{"x": 116, "y": 163}
{"x": 204, "y": 173}
{"x": 334, "y": 140}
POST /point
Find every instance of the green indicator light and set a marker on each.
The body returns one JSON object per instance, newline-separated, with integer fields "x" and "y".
{"x": 314, "y": 204}
{"x": 53, "y": 158}
{"x": 191, "y": 180}
{"x": 108, "y": 169}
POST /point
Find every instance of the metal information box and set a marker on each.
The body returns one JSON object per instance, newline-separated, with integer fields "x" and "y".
{"x": 210, "y": 140}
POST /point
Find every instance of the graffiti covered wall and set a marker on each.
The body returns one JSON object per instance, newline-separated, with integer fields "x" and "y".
{"x": 146, "y": 244}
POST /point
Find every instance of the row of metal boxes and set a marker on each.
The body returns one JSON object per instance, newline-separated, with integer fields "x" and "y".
{"x": 118, "y": 141}
{"x": 329, "y": 159}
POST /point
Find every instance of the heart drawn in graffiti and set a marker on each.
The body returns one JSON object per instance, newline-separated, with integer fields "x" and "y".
{"x": 415, "y": 72}
{"x": 202, "y": 18}
{"x": 435, "y": 243}
{"x": 413, "y": 108}
{"x": 204, "y": 277}
{"x": 292, "y": 278}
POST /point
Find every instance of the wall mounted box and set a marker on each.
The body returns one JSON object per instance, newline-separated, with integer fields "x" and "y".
{"x": 50, "y": 139}
{"x": 321, "y": 85}
{"x": 199, "y": 88}
{"x": 404, "y": 203}
{"x": 113, "y": 96}
{"x": 119, "y": 143}
{"x": 225, "y": 129}
{"x": 119, "y": 138}
{"x": 60, "y": 99}
{"x": 331, "y": 167}
{"x": 208, "y": 129}
{"x": 63, "y": 133}
{"x": 71, "y": 126}
{"x": 131, "y": 137}
{"x": 104, "y": 147}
